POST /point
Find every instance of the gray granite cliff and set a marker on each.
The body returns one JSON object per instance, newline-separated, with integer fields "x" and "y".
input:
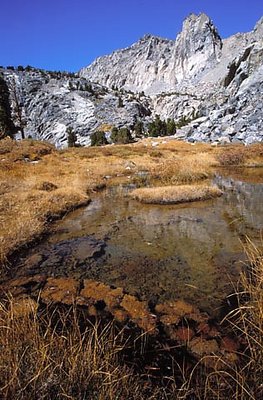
{"x": 213, "y": 85}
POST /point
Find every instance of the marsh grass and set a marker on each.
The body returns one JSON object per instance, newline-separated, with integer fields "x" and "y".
{"x": 245, "y": 380}
{"x": 24, "y": 214}
{"x": 175, "y": 194}
{"x": 49, "y": 354}
{"x": 240, "y": 155}
{"x": 27, "y": 204}
{"x": 39, "y": 183}
{"x": 184, "y": 170}
{"x": 58, "y": 352}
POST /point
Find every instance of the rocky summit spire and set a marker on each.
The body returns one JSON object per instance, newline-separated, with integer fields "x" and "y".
{"x": 154, "y": 64}
{"x": 258, "y": 30}
{"x": 197, "y": 47}
{"x": 199, "y": 34}
{"x": 214, "y": 87}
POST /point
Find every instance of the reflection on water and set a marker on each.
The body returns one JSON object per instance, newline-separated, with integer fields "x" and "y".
{"x": 246, "y": 200}
{"x": 190, "y": 251}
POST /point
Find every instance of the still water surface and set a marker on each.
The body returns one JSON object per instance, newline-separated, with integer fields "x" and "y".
{"x": 192, "y": 251}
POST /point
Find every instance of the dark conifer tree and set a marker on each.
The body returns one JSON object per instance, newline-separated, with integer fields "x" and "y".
{"x": 7, "y": 127}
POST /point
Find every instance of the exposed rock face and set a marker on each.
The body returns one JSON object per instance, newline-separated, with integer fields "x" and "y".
{"x": 214, "y": 86}
{"x": 196, "y": 75}
{"x": 52, "y": 102}
{"x": 154, "y": 64}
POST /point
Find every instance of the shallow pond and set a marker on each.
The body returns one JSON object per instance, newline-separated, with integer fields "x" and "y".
{"x": 192, "y": 251}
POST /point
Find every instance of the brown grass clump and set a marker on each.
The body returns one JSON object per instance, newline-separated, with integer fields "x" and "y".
{"x": 183, "y": 170}
{"x": 240, "y": 155}
{"x": 34, "y": 193}
{"x": 26, "y": 149}
{"x": 46, "y": 186}
{"x": 49, "y": 356}
{"x": 255, "y": 152}
{"x": 232, "y": 156}
{"x": 175, "y": 194}
{"x": 247, "y": 322}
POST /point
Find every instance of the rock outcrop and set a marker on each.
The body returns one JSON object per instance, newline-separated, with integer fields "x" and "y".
{"x": 211, "y": 87}
{"x": 154, "y": 65}
{"x": 52, "y": 102}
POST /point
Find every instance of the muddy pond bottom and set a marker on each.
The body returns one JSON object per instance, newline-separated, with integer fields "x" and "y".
{"x": 159, "y": 253}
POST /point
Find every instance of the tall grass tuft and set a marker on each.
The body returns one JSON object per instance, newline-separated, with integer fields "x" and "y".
{"x": 51, "y": 355}
{"x": 244, "y": 381}
{"x": 189, "y": 169}
{"x": 58, "y": 353}
{"x": 231, "y": 156}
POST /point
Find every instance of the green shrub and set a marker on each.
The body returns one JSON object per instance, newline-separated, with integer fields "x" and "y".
{"x": 72, "y": 137}
{"x": 183, "y": 121}
{"x": 138, "y": 129}
{"x": 98, "y": 138}
{"x": 7, "y": 127}
{"x": 159, "y": 127}
{"x": 170, "y": 126}
{"x": 121, "y": 136}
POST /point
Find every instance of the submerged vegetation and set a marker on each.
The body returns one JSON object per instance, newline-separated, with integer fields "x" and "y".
{"x": 61, "y": 352}
{"x": 54, "y": 351}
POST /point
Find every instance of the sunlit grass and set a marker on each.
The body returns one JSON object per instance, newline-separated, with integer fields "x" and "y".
{"x": 39, "y": 183}
{"x": 245, "y": 321}
{"x": 49, "y": 355}
{"x": 175, "y": 194}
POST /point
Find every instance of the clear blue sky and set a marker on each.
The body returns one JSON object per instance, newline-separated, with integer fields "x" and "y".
{"x": 69, "y": 34}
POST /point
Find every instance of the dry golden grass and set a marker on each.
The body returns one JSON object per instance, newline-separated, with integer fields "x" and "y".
{"x": 240, "y": 155}
{"x": 33, "y": 194}
{"x": 175, "y": 194}
{"x": 24, "y": 149}
{"x": 38, "y": 183}
{"x": 246, "y": 321}
{"x": 189, "y": 169}
{"x": 49, "y": 355}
